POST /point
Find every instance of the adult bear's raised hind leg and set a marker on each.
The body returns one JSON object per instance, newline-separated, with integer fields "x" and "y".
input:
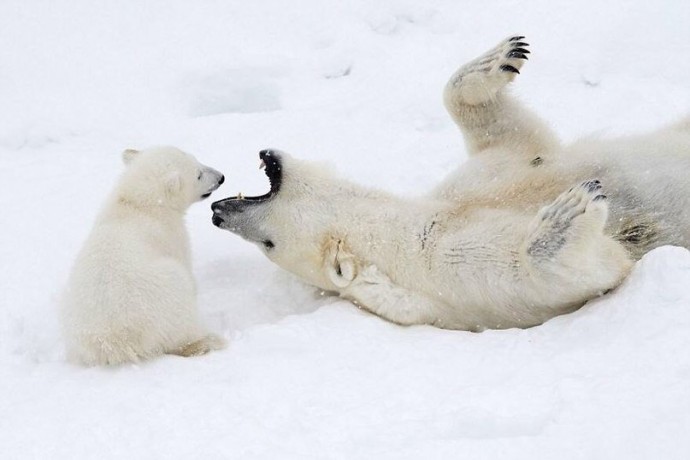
{"x": 476, "y": 99}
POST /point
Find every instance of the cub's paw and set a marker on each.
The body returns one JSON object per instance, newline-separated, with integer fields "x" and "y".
{"x": 200, "y": 347}
{"x": 580, "y": 211}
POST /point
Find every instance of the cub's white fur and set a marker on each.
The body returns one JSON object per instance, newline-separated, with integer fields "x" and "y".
{"x": 131, "y": 294}
{"x": 524, "y": 230}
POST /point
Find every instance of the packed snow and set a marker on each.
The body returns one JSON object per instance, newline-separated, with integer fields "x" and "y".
{"x": 306, "y": 375}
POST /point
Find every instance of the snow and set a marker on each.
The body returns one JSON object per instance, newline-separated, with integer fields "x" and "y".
{"x": 356, "y": 84}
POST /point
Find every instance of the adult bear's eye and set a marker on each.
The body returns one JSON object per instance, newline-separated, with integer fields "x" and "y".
{"x": 201, "y": 173}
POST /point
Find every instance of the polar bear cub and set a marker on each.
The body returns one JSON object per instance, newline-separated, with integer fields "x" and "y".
{"x": 131, "y": 294}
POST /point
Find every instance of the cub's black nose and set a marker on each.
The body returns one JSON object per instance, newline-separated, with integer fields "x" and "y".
{"x": 222, "y": 179}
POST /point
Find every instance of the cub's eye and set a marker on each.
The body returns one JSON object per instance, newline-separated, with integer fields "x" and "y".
{"x": 201, "y": 173}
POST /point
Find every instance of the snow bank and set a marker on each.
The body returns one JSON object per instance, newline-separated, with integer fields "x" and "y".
{"x": 609, "y": 381}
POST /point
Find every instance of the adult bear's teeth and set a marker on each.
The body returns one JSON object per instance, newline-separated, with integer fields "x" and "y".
{"x": 240, "y": 196}
{"x": 262, "y": 165}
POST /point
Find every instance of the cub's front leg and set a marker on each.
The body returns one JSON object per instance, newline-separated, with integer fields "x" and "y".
{"x": 567, "y": 254}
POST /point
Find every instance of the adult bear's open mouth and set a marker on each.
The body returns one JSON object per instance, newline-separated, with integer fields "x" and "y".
{"x": 242, "y": 214}
{"x": 272, "y": 165}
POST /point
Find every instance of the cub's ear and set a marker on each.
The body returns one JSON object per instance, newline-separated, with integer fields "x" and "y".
{"x": 339, "y": 264}
{"x": 129, "y": 155}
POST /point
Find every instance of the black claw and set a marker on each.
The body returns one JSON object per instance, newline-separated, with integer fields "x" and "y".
{"x": 592, "y": 185}
{"x": 521, "y": 50}
{"x": 509, "y": 68}
{"x": 514, "y": 39}
{"x": 599, "y": 198}
{"x": 521, "y": 43}
{"x": 515, "y": 55}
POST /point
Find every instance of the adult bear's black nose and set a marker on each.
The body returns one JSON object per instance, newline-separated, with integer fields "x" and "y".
{"x": 222, "y": 179}
{"x": 217, "y": 206}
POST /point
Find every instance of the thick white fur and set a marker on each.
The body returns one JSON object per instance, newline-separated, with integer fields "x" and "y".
{"x": 518, "y": 234}
{"x": 131, "y": 294}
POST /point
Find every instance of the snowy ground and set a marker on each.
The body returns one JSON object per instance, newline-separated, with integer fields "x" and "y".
{"x": 358, "y": 84}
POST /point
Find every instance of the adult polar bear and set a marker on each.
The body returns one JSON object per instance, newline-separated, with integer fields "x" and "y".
{"x": 520, "y": 233}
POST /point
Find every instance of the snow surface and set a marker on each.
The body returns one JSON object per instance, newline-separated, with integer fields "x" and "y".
{"x": 357, "y": 84}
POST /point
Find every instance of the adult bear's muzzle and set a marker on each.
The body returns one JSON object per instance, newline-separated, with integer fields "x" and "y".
{"x": 239, "y": 214}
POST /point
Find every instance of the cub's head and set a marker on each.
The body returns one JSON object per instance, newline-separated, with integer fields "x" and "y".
{"x": 302, "y": 223}
{"x": 166, "y": 176}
